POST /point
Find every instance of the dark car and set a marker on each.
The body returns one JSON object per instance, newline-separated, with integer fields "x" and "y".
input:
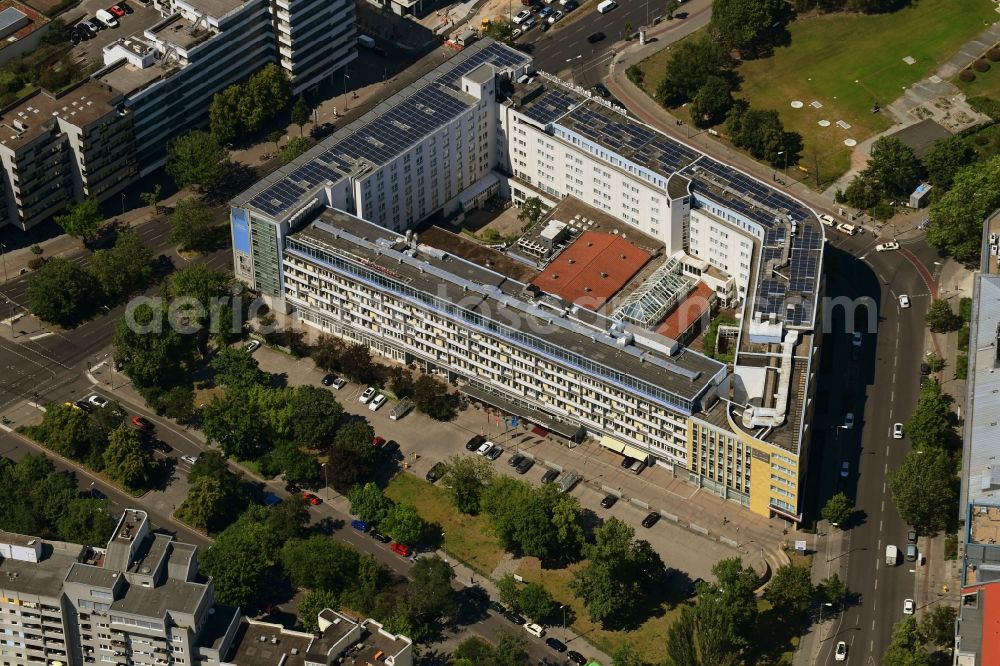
{"x": 546, "y": 26}
{"x": 124, "y": 5}
{"x": 627, "y": 462}
{"x": 292, "y": 489}
{"x": 497, "y": 607}
{"x": 475, "y": 443}
{"x": 524, "y": 465}
{"x": 378, "y": 536}
{"x": 549, "y": 476}
{"x": 328, "y": 380}
{"x": 576, "y": 657}
{"x": 436, "y": 472}
{"x": 477, "y": 593}
{"x": 85, "y": 31}
{"x": 514, "y": 618}
{"x": 555, "y": 644}
{"x": 162, "y": 446}
{"x": 602, "y": 90}
{"x": 84, "y": 405}
{"x": 97, "y": 25}
{"x": 608, "y": 501}
{"x": 391, "y": 450}
{"x": 925, "y": 369}
{"x": 74, "y": 35}
{"x": 650, "y": 519}
{"x": 911, "y": 536}
{"x": 570, "y": 6}
{"x": 515, "y": 459}
{"x": 595, "y": 37}
{"x": 380, "y": 52}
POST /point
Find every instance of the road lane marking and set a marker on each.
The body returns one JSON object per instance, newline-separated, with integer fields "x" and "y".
{"x": 40, "y": 336}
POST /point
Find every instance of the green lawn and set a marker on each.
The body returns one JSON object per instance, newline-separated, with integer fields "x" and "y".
{"x": 847, "y": 61}
{"x": 987, "y": 84}
{"x": 648, "y": 639}
{"x": 466, "y": 537}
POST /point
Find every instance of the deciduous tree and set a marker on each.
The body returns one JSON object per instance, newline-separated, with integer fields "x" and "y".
{"x": 693, "y": 61}
{"x": 924, "y": 489}
{"x": 744, "y": 24}
{"x": 465, "y": 480}
{"x": 957, "y": 217}
{"x": 125, "y": 459}
{"x": 838, "y": 509}
{"x": 61, "y": 292}
{"x": 906, "y": 648}
{"x": 500, "y": 30}
{"x": 223, "y": 114}
{"x": 369, "y": 503}
{"x": 945, "y": 158}
{"x": 941, "y": 318}
{"x": 320, "y": 563}
{"x": 301, "y": 113}
{"x": 938, "y": 625}
{"x": 404, "y": 524}
{"x": 192, "y": 225}
{"x": 197, "y": 158}
{"x": 790, "y": 591}
{"x": 930, "y": 427}
{"x": 124, "y": 269}
{"x": 351, "y": 458}
{"x": 81, "y": 218}
{"x": 313, "y": 604}
{"x": 712, "y": 102}
{"x": 237, "y": 369}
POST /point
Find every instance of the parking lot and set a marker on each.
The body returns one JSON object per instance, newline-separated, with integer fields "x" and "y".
{"x": 142, "y": 17}
{"x": 692, "y": 543}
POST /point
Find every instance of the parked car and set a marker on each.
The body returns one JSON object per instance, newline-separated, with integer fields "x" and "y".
{"x": 925, "y": 369}
{"x": 528, "y": 23}
{"x": 189, "y": 459}
{"x": 570, "y": 5}
{"x": 857, "y": 339}
{"x": 627, "y": 462}
{"x": 436, "y": 472}
{"x": 602, "y": 90}
{"x": 840, "y": 654}
{"x": 911, "y": 536}
{"x": 360, "y": 526}
{"x": 909, "y": 607}
{"x": 391, "y": 450}
{"x": 556, "y": 16}
{"x": 270, "y": 499}
{"x": 141, "y": 424}
{"x": 339, "y": 383}
{"x": 377, "y": 402}
{"x": 378, "y": 536}
{"x": 524, "y": 465}
{"x": 162, "y": 446}
{"x": 474, "y": 443}
{"x": 125, "y": 6}
{"x": 520, "y": 16}
{"x": 292, "y": 489}
{"x": 74, "y": 36}
{"x": 904, "y": 301}
{"x": 535, "y": 630}
{"x": 367, "y": 396}
{"x": 897, "y": 431}
{"x": 609, "y": 501}
{"x": 546, "y": 11}
{"x": 651, "y": 519}
{"x": 83, "y": 405}
{"x": 887, "y": 247}
{"x": 515, "y": 459}
{"x": 116, "y": 10}
{"x": 514, "y": 617}
{"x": 549, "y": 476}
{"x": 849, "y": 420}
{"x": 845, "y": 469}
{"x": 484, "y": 448}
{"x": 555, "y": 644}
{"x": 400, "y": 549}
{"x": 98, "y": 401}
{"x": 312, "y": 499}
{"x": 576, "y": 658}
{"x": 377, "y": 441}
{"x": 328, "y": 380}
{"x": 253, "y": 346}
{"x": 495, "y": 452}
{"x": 96, "y": 25}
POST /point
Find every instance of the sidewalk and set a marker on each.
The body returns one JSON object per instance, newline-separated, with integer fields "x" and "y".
{"x": 830, "y": 558}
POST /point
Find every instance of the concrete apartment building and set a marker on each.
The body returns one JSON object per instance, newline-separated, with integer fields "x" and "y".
{"x": 977, "y": 631}
{"x": 141, "y": 600}
{"x": 484, "y": 124}
{"x": 156, "y": 84}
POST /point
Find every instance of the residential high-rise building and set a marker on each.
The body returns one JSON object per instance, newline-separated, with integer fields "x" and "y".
{"x": 140, "y": 600}
{"x": 485, "y": 124}
{"x": 156, "y": 84}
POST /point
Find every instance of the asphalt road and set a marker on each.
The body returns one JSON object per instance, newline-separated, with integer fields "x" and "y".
{"x": 881, "y": 388}
{"x": 565, "y": 47}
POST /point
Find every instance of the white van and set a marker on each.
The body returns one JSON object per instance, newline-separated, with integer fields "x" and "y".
{"x": 107, "y": 18}
{"x": 827, "y": 220}
{"x": 846, "y": 228}
{"x": 366, "y": 41}
{"x": 891, "y": 555}
{"x": 606, "y": 6}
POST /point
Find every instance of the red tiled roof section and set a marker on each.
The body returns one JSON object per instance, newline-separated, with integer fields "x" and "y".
{"x": 592, "y": 269}
{"x": 991, "y": 625}
{"x": 697, "y": 303}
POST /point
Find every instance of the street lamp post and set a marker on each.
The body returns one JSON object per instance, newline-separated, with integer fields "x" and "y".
{"x": 123, "y": 203}
{"x": 326, "y": 483}
{"x": 828, "y": 605}
{"x": 3, "y": 258}
{"x": 563, "y": 609}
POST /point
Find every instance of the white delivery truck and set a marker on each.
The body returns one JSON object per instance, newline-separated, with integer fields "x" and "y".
{"x": 606, "y": 6}
{"x": 891, "y": 555}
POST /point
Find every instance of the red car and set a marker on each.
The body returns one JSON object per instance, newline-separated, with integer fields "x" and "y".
{"x": 378, "y": 442}
{"x": 116, "y": 10}
{"x": 140, "y": 423}
{"x": 400, "y": 549}
{"x": 312, "y": 499}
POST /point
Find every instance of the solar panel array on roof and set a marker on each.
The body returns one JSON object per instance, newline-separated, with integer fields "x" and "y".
{"x": 550, "y": 105}
{"x": 496, "y": 54}
{"x": 387, "y": 135}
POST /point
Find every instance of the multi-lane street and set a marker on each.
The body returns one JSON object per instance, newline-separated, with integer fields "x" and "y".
{"x": 880, "y": 388}
{"x": 565, "y": 46}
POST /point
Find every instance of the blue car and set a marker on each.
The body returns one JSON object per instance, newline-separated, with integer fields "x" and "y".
{"x": 360, "y": 526}
{"x": 546, "y": 11}
{"x": 271, "y": 499}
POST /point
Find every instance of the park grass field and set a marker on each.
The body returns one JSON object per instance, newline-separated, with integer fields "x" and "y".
{"x": 987, "y": 84}
{"x": 466, "y": 537}
{"x": 846, "y": 62}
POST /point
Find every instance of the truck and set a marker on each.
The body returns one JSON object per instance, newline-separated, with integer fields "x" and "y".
{"x": 891, "y": 555}
{"x": 606, "y": 6}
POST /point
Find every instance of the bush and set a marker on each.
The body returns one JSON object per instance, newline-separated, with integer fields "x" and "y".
{"x": 965, "y": 309}
{"x": 635, "y": 75}
{"x": 962, "y": 366}
{"x": 963, "y": 338}
{"x": 993, "y": 54}
{"x": 988, "y": 106}
{"x": 883, "y": 211}
{"x": 36, "y": 249}
{"x": 967, "y": 76}
{"x": 36, "y": 262}
{"x": 981, "y": 65}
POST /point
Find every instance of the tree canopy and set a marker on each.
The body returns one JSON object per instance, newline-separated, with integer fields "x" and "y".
{"x": 62, "y": 292}
{"x": 925, "y": 489}
{"x": 838, "y": 509}
{"x": 124, "y": 269}
{"x": 693, "y": 62}
{"x": 762, "y": 134}
{"x": 744, "y": 24}
{"x": 369, "y": 503}
{"x": 945, "y": 158}
{"x": 126, "y": 460}
{"x": 81, "y": 219}
{"x": 930, "y": 427}
{"x": 956, "y": 219}
{"x": 192, "y": 225}
{"x": 466, "y": 479}
{"x": 197, "y": 158}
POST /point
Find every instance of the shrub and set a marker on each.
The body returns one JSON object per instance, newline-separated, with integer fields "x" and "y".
{"x": 967, "y": 76}
{"x": 635, "y": 75}
{"x": 963, "y": 338}
{"x": 36, "y": 262}
{"x": 993, "y": 54}
{"x": 36, "y": 249}
{"x": 988, "y": 106}
{"x": 883, "y": 211}
{"x": 981, "y": 65}
{"x": 962, "y": 366}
